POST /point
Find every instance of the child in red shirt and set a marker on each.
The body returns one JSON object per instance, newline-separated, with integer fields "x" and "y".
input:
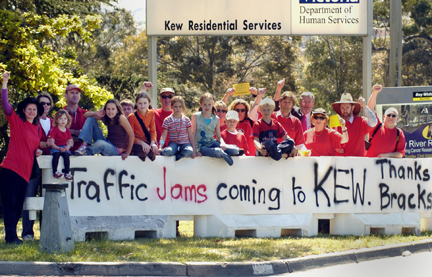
{"x": 61, "y": 135}
{"x": 231, "y": 136}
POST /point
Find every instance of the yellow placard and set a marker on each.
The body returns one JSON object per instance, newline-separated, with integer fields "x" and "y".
{"x": 304, "y": 153}
{"x": 334, "y": 121}
{"x": 241, "y": 89}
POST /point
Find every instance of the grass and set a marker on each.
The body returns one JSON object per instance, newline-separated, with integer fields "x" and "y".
{"x": 191, "y": 249}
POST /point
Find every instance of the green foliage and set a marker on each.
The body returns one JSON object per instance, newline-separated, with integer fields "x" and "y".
{"x": 334, "y": 67}
{"x": 26, "y": 51}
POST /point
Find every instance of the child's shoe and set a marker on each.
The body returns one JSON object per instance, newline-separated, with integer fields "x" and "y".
{"x": 68, "y": 177}
{"x": 57, "y": 175}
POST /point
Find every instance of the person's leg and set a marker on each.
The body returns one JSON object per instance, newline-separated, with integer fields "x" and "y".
{"x": 103, "y": 147}
{"x": 27, "y": 224}
{"x": 232, "y": 150}
{"x": 66, "y": 161}
{"x": 170, "y": 150}
{"x": 91, "y": 131}
{"x": 215, "y": 151}
{"x": 12, "y": 192}
{"x": 185, "y": 151}
{"x": 55, "y": 160}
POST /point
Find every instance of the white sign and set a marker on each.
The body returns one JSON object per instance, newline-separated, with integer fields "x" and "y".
{"x": 256, "y": 17}
{"x": 109, "y": 186}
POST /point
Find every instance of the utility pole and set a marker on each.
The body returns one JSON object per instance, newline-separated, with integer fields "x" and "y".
{"x": 395, "y": 70}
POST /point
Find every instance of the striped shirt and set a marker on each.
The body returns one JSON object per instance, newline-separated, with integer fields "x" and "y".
{"x": 177, "y": 129}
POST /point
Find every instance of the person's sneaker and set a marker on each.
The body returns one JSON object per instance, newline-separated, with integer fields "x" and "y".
{"x": 57, "y": 175}
{"x": 228, "y": 159}
{"x": 81, "y": 151}
{"x": 68, "y": 176}
{"x": 241, "y": 152}
{"x": 28, "y": 238}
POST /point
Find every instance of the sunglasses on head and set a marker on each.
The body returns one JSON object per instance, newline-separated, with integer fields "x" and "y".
{"x": 391, "y": 115}
{"x": 167, "y": 96}
{"x": 45, "y": 103}
{"x": 221, "y": 111}
{"x": 319, "y": 117}
{"x": 240, "y": 110}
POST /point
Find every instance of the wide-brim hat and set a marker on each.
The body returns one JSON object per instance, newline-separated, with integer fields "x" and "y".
{"x": 29, "y": 100}
{"x": 346, "y": 98}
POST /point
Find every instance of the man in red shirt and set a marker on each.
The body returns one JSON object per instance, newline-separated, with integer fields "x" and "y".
{"x": 165, "y": 96}
{"x": 73, "y": 96}
{"x": 357, "y": 127}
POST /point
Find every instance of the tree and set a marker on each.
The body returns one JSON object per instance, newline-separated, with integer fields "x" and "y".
{"x": 26, "y": 51}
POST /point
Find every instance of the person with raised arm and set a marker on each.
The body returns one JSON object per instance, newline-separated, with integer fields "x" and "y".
{"x": 16, "y": 168}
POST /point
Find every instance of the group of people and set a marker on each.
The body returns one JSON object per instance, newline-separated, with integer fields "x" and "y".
{"x": 265, "y": 127}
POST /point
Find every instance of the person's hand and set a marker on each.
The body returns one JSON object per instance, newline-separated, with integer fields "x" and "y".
{"x": 362, "y": 102}
{"x": 253, "y": 90}
{"x": 62, "y": 149}
{"x": 262, "y": 150}
{"x": 124, "y": 155}
{"x": 100, "y": 113}
{"x": 145, "y": 147}
{"x": 262, "y": 91}
{"x": 50, "y": 142}
{"x": 342, "y": 122}
{"x": 223, "y": 147}
{"x": 293, "y": 152}
{"x": 159, "y": 152}
{"x": 146, "y": 86}
{"x": 6, "y": 77}
{"x": 280, "y": 84}
{"x": 340, "y": 150}
{"x": 38, "y": 152}
{"x": 69, "y": 142}
{"x": 230, "y": 92}
{"x": 198, "y": 154}
{"x": 376, "y": 88}
{"x": 194, "y": 154}
{"x": 154, "y": 148}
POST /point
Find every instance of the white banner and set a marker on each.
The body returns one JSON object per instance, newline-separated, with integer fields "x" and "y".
{"x": 108, "y": 186}
{"x": 256, "y": 17}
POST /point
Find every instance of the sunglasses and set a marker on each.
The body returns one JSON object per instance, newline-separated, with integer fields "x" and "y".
{"x": 221, "y": 111}
{"x": 391, "y": 115}
{"x": 319, "y": 117}
{"x": 167, "y": 96}
{"x": 240, "y": 110}
{"x": 45, "y": 103}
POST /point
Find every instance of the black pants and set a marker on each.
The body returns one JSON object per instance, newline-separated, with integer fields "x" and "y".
{"x": 55, "y": 161}
{"x": 12, "y": 189}
{"x": 32, "y": 190}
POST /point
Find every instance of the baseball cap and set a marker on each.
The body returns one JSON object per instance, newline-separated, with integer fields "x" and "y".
{"x": 267, "y": 101}
{"x": 391, "y": 110}
{"x": 166, "y": 90}
{"x": 232, "y": 115}
{"x": 72, "y": 86}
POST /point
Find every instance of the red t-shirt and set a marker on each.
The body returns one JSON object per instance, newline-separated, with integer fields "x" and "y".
{"x": 23, "y": 143}
{"x": 384, "y": 141}
{"x": 160, "y": 116}
{"x": 60, "y": 138}
{"x": 239, "y": 139}
{"x": 357, "y": 130}
{"x": 292, "y": 126}
{"x": 223, "y": 128}
{"x": 322, "y": 143}
{"x": 246, "y": 128}
{"x": 265, "y": 131}
{"x": 78, "y": 121}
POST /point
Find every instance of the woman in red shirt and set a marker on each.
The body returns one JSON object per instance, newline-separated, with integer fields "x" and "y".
{"x": 321, "y": 140}
{"x": 16, "y": 168}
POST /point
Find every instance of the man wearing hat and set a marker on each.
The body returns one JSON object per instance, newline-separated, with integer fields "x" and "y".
{"x": 357, "y": 127}
{"x": 73, "y": 96}
{"x": 165, "y": 96}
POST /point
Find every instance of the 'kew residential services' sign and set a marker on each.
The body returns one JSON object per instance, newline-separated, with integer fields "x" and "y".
{"x": 256, "y": 17}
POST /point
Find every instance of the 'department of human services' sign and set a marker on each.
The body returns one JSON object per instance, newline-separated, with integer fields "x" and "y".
{"x": 256, "y": 17}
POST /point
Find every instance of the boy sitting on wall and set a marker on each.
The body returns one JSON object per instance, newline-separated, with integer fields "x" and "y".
{"x": 266, "y": 133}
{"x": 231, "y": 136}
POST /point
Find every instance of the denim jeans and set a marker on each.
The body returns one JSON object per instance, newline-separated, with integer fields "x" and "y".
{"x": 32, "y": 188}
{"x": 214, "y": 151}
{"x": 179, "y": 150}
{"x": 91, "y": 131}
{"x": 104, "y": 147}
